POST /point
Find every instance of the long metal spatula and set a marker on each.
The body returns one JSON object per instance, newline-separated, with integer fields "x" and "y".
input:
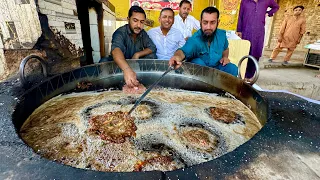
{"x": 149, "y": 89}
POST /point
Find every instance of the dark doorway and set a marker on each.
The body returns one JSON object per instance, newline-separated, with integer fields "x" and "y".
{"x": 83, "y": 15}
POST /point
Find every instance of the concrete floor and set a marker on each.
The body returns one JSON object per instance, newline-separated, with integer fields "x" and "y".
{"x": 293, "y": 77}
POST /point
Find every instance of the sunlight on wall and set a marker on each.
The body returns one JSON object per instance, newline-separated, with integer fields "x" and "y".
{"x": 229, "y": 11}
{"x": 122, "y": 8}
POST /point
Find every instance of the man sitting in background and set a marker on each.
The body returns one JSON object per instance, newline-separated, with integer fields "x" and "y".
{"x": 208, "y": 46}
{"x": 132, "y": 42}
{"x": 166, "y": 38}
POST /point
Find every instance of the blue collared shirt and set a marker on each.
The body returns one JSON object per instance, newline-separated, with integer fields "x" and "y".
{"x": 166, "y": 45}
{"x": 197, "y": 49}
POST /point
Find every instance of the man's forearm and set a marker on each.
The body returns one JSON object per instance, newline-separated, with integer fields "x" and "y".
{"x": 119, "y": 58}
{"x": 180, "y": 54}
{"x": 225, "y": 53}
{"x": 144, "y": 52}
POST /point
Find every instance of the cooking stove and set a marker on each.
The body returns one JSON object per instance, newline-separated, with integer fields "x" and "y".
{"x": 288, "y": 141}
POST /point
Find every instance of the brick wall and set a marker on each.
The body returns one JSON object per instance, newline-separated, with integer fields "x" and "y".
{"x": 62, "y": 17}
{"x": 19, "y": 24}
{"x": 19, "y": 30}
{"x": 21, "y": 34}
{"x": 312, "y": 14}
{"x": 2, "y": 62}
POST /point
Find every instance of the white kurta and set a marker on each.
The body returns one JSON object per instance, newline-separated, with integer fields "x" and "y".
{"x": 187, "y": 26}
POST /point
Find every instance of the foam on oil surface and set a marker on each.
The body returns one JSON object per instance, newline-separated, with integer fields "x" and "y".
{"x": 172, "y": 112}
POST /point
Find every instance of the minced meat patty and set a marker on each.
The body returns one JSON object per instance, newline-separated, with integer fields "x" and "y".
{"x": 113, "y": 126}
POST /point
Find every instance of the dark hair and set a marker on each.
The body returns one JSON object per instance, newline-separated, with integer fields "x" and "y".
{"x": 136, "y": 9}
{"x": 166, "y": 9}
{"x": 184, "y": 1}
{"x": 298, "y": 7}
{"x": 210, "y": 10}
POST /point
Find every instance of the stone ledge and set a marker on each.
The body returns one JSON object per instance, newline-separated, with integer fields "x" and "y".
{"x": 57, "y": 2}
{"x": 68, "y": 16}
{"x": 52, "y": 6}
{"x": 1, "y": 44}
{"x": 307, "y": 89}
{"x": 67, "y": 11}
{"x": 280, "y": 65}
{"x": 68, "y": 6}
{"x": 47, "y": 12}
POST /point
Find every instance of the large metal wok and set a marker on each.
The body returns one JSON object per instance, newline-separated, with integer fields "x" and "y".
{"x": 291, "y": 130}
{"x": 108, "y": 75}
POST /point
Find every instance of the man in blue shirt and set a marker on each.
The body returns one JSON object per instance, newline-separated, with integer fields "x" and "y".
{"x": 208, "y": 46}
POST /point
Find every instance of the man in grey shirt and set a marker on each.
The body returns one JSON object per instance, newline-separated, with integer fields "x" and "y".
{"x": 132, "y": 42}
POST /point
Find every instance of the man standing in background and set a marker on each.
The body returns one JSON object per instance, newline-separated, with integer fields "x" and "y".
{"x": 166, "y": 38}
{"x": 250, "y": 27}
{"x": 291, "y": 32}
{"x": 185, "y": 22}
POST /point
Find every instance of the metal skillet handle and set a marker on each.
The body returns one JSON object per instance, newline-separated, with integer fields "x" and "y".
{"x": 256, "y": 64}
{"x": 23, "y": 64}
